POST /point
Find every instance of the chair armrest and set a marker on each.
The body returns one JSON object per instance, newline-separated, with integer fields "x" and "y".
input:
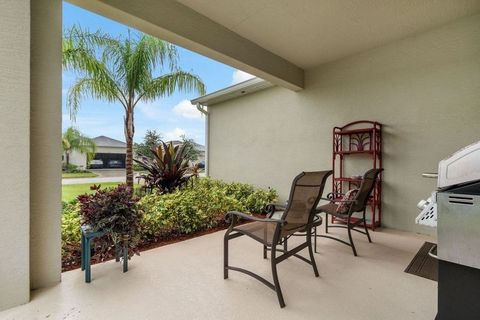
{"x": 338, "y": 200}
{"x": 271, "y": 208}
{"x": 333, "y": 195}
{"x": 233, "y": 216}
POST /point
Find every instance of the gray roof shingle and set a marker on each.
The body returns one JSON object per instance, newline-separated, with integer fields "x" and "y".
{"x": 103, "y": 141}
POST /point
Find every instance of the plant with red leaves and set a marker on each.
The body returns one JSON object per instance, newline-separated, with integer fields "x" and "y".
{"x": 115, "y": 212}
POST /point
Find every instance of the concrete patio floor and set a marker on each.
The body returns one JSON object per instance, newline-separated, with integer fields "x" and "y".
{"x": 185, "y": 281}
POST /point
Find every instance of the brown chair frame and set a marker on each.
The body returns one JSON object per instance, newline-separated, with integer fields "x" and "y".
{"x": 234, "y": 232}
{"x": 359, "y": 204}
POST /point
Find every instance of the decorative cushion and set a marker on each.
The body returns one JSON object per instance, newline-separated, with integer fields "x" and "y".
{"x": 343, "y": 207}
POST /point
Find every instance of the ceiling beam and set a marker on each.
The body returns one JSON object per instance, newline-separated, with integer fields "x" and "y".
{"x": 178, "y": 24}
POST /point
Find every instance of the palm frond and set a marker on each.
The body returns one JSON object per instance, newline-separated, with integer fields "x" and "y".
{"x": 167, "y": 84}
{"x": 74, "y": 140}
{"x": 146, "y": 55}
{"x": 98, "y": 88}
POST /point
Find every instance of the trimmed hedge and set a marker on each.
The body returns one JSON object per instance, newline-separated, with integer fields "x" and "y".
{"x": 200, "y": 206}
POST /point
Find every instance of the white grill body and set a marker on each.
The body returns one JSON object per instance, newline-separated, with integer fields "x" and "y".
{"x": 428, "y": 215}
{"x": 461, "y": 167}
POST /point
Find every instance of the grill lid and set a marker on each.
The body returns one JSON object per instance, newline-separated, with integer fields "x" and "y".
{"x": 460, "y": 168}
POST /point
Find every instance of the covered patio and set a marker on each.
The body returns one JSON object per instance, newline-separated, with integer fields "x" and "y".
{"x": 184, "y": 281}
{"x": 413, "y": 66}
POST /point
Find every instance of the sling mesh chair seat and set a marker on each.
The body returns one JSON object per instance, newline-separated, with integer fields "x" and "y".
{"x": 306, "y": 191}
{"x": 358, "y": 204}
{"x": 275, "y": 211}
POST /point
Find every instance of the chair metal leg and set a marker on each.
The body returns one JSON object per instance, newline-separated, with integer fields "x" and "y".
{"x": 225, "y": 256}
{"x": 326, "y": 223}
{"x": 285, "y": 244}
{"x": 278, "y": 290}
{"x": 365, "y": 227}
{"x": 350, "y": 238}
{"x": 315, "y": 238}
{"x": 310, "y": 251}
{"x": 264, "y": 252}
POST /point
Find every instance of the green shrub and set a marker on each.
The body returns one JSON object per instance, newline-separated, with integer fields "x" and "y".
{"x": 71, "y": 168}
{"x": 200, "y": 206}
{"x": 253, "y": 200}
{"x": 185, "y": 211}
{"x": 70, "y": 229}
{"x": 256, "y": 201}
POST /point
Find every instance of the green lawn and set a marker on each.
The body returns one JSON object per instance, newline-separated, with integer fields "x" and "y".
{"x": 79, "y": 175}
{"x": 70, "y": 192}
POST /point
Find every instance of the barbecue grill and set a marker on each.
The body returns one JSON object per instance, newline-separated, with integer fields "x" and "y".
{"x": 454, "y": 209}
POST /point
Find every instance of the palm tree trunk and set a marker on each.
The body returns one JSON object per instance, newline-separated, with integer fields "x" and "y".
{"x": 129, "y": 133}
{"x": 67, "y": 159}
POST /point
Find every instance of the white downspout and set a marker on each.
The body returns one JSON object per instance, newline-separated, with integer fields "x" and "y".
{"x": 207, "y": 136}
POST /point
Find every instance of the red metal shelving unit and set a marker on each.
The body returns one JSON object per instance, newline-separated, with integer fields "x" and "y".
{"x": 353, "y": 140}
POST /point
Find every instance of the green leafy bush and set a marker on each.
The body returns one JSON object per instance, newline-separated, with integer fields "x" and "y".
{"x": 70, "y": 232}
{"x": 199, "y": 206}
{"x": 71, "y": 168}
{"x": 256, "y": 201}
{"x": 70, "y": 223}
{"x": 185, "y": 211}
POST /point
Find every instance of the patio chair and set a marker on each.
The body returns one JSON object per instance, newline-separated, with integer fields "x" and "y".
{"x": 357, "y": 204}
{"x": 305, "y": 193}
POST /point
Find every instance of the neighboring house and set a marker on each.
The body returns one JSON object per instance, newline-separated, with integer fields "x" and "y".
{"x": 110, "y": 154}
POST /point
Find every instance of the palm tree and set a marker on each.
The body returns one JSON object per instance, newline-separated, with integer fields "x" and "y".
{"x": 126, "y": 71}
{"x": 74, "y": 140}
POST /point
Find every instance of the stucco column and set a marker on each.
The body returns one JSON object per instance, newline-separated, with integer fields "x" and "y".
{"x": 30, "y": 129}
{"x": 15, "y": 151}
{"x": 45, "y": 142}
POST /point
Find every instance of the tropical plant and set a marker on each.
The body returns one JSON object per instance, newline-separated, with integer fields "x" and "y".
{"x": 74, "y": 140}
{"x": 168, "y": 170}
{"x": 198, "y": 207}
{"x": 151, "y": 140}
{"x": 115, "y": 212}
{"x": 195, "y": 170}
{"x": 124, "y": 70}
{"x": 191, "y": 150}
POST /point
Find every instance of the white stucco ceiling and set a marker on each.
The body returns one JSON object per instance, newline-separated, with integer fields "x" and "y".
{"x": 311, "y": 32}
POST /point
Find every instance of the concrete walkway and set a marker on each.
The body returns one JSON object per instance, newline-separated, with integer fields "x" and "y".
{"x": 92, "y": 180}
{"x": 104, "y": 175}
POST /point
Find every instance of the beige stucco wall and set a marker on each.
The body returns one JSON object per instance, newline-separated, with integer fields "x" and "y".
{"x": 78, "y": 159}
{"x": 15, "y": 145}
{"x": 45, "y": 162}
{"x": 30, "y": 105}
{"x": 111, "y": 150}
{"x": 425, "y": 89}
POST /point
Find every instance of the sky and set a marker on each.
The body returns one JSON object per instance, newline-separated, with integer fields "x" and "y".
{"x": 171, "y": 116}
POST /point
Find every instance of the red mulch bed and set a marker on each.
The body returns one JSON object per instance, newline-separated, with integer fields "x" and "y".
{"x": 165, "y": 239}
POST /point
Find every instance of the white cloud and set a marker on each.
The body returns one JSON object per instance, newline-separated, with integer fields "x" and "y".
{"x": 174, "y": 134}
{"x": 240, "y": 76}
{"x": 154, "y": 111}
{"x": 150, "y": 110}
{"x": 187, "y": 110}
